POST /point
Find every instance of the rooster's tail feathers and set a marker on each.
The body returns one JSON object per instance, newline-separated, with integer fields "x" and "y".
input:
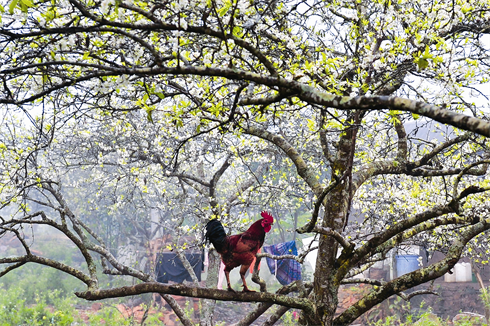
{"x": 215, "y": 233}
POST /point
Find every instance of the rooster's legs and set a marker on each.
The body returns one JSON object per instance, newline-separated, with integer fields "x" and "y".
{"x": 243, "y": 270}
{"x": 227, "y": 274}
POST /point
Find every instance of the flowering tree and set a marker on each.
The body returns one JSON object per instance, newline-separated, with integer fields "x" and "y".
{"x": 335, "y": 98}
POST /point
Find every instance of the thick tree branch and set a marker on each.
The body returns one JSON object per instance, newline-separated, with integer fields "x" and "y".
{"x": 179, "y": 289}
{"x": 414, "y": 278}
{"x": 305, "y": 92}
{"x": 440, "y": 148}
{"x": 398, "y": 228}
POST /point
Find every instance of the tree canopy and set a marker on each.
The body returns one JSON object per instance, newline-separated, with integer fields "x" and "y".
{"x": 369, "y": 117}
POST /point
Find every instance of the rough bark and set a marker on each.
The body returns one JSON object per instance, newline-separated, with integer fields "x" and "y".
{"x": 179, "y": 289}
{"x": 327, "y": 279}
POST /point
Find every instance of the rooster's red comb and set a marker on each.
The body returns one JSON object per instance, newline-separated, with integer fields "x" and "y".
{"x": 267, "y": 217}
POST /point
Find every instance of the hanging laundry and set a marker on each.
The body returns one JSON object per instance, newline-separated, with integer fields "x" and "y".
{"x": 285, "y": 270}
{"x": 169, "y": 267}
{"x": 221, "y": 275}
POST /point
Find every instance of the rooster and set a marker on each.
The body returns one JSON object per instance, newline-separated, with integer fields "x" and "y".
{"x": 239, "y": 249}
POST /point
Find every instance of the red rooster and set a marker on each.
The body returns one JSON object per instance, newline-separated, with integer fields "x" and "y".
{"x": 239, "y": 249}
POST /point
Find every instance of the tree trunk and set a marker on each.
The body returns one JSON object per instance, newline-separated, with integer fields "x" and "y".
{"x": 208, "y": 306}
{"x": 324, "y": 287}
{"x": 327, "y": 281}
{"x": 327, "y": 277}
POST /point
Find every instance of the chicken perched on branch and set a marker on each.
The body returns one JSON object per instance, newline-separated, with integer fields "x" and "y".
{"x": 239, "y": 249}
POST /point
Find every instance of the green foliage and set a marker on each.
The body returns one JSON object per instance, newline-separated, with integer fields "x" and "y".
{"x": 424, "y": 319}
{"x": 33, "y": 279}
{"x": 55, "y": 309}
{"x": 109, "y": 316}
{"x": 22, "y": 4}
{"x": 485, "y": 297}
{"x": 466, "y": 321}
{"x": 402, "y": 314}
{"x": 189, "y": 309}
{"x": 16, "y": 311}
{"x": 288, "y": 319}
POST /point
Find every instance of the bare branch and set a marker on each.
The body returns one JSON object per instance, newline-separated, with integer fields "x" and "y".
{"x": 179, "y": 289}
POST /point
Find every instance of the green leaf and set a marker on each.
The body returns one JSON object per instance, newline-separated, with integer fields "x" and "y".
{"x": 149, "y": 112}
{"x": 25, "y": 4}
{"x": 224, "y": 10}
{"x": 12, "y": 6}
{"x": 311, "y": 124}
{"x": 160, "y": 95}
{"x": 423, "y": 60}
{"x": 422, "y": 63}
{"x": 426, "y": 54}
